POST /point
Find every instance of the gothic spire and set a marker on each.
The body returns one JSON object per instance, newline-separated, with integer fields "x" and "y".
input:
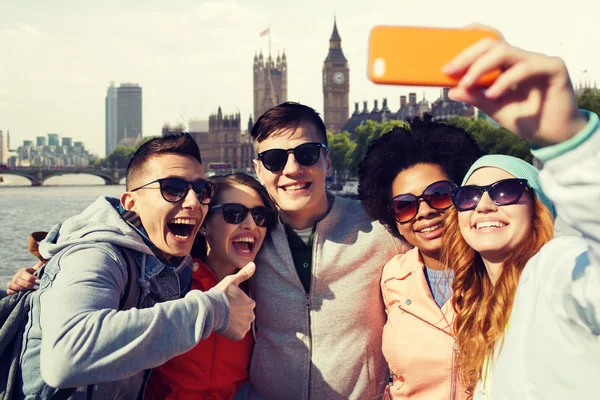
{"x": 335, "y": 36}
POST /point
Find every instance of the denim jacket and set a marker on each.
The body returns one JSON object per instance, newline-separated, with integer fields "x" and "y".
{"x": 86, "y": 338}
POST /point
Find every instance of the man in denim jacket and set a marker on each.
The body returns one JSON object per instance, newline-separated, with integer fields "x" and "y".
{"x": 76, "y": 335}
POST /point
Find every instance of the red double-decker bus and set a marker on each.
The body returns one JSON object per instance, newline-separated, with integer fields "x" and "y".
{"x": 219, "y": 168}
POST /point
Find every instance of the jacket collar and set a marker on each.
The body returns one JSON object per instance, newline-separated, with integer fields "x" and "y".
{"x": 153, "y": 265}
{"x": 418, "y": 298}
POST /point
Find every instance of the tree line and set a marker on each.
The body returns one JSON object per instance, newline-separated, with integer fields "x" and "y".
{"x": 120, "y": 156}
{"x": 346, "y": 154}
{"x": 492, "y": 139}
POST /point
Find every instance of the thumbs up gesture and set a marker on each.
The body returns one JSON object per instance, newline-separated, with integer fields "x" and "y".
{"x": 241, "y": 306}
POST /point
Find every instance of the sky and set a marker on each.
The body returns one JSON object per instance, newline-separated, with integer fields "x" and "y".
{"x": 58, "y": 57}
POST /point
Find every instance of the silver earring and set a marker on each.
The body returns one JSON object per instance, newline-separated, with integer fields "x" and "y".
{"x": 203, "y": 233}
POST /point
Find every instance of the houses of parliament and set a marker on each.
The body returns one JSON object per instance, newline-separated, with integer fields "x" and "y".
{"x": 226, "y": 139}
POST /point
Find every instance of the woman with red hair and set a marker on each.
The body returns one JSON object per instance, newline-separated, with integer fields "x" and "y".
{"x": 527, "y": 304}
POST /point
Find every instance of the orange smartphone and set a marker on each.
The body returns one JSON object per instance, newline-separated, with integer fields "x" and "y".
{"x": 414, "y": 56}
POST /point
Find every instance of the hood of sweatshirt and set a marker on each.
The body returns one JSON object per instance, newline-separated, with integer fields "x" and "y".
{"x": 100, "y": 222}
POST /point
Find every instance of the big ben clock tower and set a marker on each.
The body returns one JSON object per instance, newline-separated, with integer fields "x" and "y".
{"x": 336, "y": 85}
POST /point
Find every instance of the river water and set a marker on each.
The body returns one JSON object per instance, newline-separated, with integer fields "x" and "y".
{"x": 26, "y": 209}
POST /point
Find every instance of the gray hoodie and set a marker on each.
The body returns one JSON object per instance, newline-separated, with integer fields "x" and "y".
{"x": 325, "y": 344}
{"x": 86, "y": 339}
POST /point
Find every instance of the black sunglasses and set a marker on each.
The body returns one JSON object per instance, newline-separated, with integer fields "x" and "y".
{"x": 306, "y": 154}
{"x": 174, "y": 190}
{"x": 234, "y": 213}
{"x": 405, "y": 207}
{"x": 503, "y": 193}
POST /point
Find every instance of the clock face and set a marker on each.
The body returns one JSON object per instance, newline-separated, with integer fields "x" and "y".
{"x": 339, "y": 78}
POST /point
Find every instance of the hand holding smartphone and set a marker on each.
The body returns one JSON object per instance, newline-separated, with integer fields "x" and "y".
{"x": 414, "y": 56}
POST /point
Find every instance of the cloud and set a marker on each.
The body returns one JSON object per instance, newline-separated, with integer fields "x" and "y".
{"x": 26, "y": 29}
{"x": 228, "y": 12}
{"x": 30, "y": 30}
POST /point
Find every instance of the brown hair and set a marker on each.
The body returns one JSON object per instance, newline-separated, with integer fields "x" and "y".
{"x": 483, "y": 309}
{"x": 222, "y": 182}
{"x": 181, "y": 144}
{"x": 288, "y": 115}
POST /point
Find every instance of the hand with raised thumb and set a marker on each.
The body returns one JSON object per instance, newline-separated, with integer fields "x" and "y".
{"x": 241, "y": 307}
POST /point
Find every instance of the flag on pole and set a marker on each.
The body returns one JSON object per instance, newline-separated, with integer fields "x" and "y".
{"x": 265, "y": 32}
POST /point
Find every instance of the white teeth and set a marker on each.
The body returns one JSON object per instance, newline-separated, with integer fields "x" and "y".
{"x": 490, "y": 224}
{"x": 430, "y": 228}
{"x": 244, "y": 239}
{"x": 183, "y": 221}
{"x": 182, "y": 237}
{"x": 295, "y": 187}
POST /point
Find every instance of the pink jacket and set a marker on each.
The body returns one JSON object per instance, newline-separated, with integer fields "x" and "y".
{"x": 418, "y": 341}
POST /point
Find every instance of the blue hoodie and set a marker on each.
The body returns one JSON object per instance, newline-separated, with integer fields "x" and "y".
{"x": 86, "y": 339}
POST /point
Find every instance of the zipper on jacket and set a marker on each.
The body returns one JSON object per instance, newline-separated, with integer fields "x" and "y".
{"x": 454, "y": 351}
{"x": 308, "y": 301}
{"x": 454, "y": 359}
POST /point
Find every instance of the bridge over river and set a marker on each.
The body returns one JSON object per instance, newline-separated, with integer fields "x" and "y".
{"x": 38, "y": 175}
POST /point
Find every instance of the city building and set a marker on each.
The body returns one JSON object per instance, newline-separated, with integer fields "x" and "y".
{"x": 444, "y": 108}
{"x": 225, "y": 141}
{"x": 198, "y": 125}
{"x": 441, "y": 109}
{"x": 67, "y": 142}
{"x": 53, "y": 139}
{"x": 3, "y": 148}
{"x": 44, "y": 154}
{"x": 172, "y": 130}
{"x": 270, "y": 82}
{"x": 336, "y": 84}
{"x": 582, "y": 86}
{"x": 111, "y": 118}
{"x": 129, "y": 113}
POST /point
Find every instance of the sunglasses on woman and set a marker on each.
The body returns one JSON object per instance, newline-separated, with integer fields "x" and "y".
{"x": 405, "y": 207}
{"x": 306, "y": 154}
{"x": 174, "y": 190}
{"x": 503, "y": 193}
{"x": 234, "y": 213}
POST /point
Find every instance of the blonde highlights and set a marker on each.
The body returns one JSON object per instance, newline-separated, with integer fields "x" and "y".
{"x": 483, "y": 309}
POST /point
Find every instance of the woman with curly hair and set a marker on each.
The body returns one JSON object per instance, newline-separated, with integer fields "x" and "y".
{"x": 527, "y": 304}
{"x": 406, "y": 179}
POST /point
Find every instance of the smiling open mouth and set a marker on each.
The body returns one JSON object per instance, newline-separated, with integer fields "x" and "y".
{"x": 243, "y": 245}
{"x": 298, "y": 186}
{"x": 182, "y": 228}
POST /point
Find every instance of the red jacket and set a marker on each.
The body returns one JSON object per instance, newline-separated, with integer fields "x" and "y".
{"x": 215, "y": 369}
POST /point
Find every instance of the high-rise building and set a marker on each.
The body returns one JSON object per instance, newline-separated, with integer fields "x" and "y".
{"x": 67, "y": 142}
{"x": 129, "y": 112}
{"x": 3, "y": 149}
{"x": 111, "y": 118}
{"x": 336, "y": 84}
{"x": 53, "y": 139}
{"x": 40, "y": 141}
{"x": 270, "y": 82}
